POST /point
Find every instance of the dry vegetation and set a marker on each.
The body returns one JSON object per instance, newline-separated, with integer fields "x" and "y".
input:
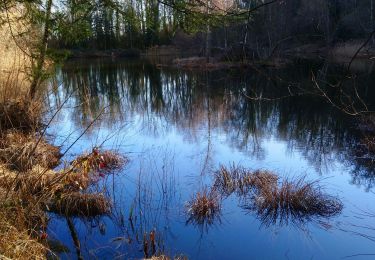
{"x": 76, "y": 204}
{"x": 23, "y": 220}
{"x": 30, "y": 188}
{"x": 295, "y": 201}
{"x": 20, "y": 151}
{"x": 274, "y": 201}
{"x": 17, "y": 244}
{"x": 242, "y": 181}
{"x": 204, "y": 208}
{"x": 15, "y": 48}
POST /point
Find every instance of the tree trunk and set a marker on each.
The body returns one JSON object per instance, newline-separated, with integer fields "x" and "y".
{"x": 208, "y": 43}
{"x": 372, "y": 20}
{"x": 208, "y": 33}
{"x": 38, "y": 73}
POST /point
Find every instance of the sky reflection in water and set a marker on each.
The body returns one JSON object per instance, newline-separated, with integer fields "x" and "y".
{"x": 177, "y": 128}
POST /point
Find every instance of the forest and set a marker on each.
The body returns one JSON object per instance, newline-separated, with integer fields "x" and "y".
{"x": 142, "y": 24}
{"x": 187, "y": 129}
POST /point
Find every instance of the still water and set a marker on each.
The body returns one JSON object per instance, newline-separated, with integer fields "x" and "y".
{"x": 177, "y": 128}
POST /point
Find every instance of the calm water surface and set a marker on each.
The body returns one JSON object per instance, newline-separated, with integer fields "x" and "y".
{"x": 177, "y": 128}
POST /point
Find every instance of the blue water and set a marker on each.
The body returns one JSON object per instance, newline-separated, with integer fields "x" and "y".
{"x": 177, "y": 128}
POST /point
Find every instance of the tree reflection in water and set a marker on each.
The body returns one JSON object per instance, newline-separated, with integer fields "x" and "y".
{"x": 202, "y": 107}
{"x": 166, "y": 98}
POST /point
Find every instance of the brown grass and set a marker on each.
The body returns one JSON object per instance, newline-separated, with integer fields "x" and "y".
{"x": 21, "y": 223}
{"x": 295, "y": 201}
{"x": 27, "y": 195}
{"x": 26, "y": 161}
{"x": 18, "y": 244}
{"x": 15, "y": 49}
{"x": 204, "y": 208}
{"x": 20, "y": 114}
{"x": 21, "y": 152}
{"x": 99, "y": 161}
{"x": 76, "y": 204}
{"x": 241, "y": 180}
{"x": 28, "y": 186}
{"x": 289, "y": 200}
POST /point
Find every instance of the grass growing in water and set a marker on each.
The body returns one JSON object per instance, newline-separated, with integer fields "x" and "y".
{"x": 295, "y": 201}
{"x": 77, "y": 204}
{"x": 204, "y": 208}
{"x": 273, "y": 200}
{"x": 242, "y": 181}
{"x": 29, "y": 187}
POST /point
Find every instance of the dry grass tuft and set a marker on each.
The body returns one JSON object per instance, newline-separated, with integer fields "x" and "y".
{"x": 26, "y": 196}
{"x": 204, "y": 208}
{"x": 89, "y": 168}
{"x": 294, "y": 201}
{"x": 21, "y": 152}
{"x": 76, "y": 204}
{"x": 242, "y": 181}
{"x": 226, "y": 180}
{"x": 21, "y": 216}
{"x": 17, "y": 244}
{"x": 21, "y": 223}
{"x": 20, "y": 114}
{"x": 289, "y": 200}
{"x": 99, "y": 161}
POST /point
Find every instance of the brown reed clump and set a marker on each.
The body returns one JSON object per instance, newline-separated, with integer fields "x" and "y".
{"x": 242, "y": 181}
{"x": 22, "y": 221}
{"x": 275, "y": 201}
{"x": 295, "y": 201}
{"x": 89, "y": 168}
{"x": 18, "y": 244}
{"x": 99, "y": 161}
{"x": 226, "y": 180}
{"x": 204, "y": 208}
{"x": 263, "y": 178}
{"x": 21, "y": 114}
{"x": 29, "y": 187}
{"x": 21, "y": 152}
{"x": 77, "y": 204}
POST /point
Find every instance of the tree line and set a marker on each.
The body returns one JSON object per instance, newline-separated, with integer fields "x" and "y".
{"x": 108, "y": 24}
{"x": 238, "y": 27}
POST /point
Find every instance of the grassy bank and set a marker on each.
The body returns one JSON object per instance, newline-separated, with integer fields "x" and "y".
{"x": 30, "y": 188}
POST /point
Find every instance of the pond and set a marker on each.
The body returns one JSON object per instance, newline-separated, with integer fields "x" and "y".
{"x": 177, "y": 128}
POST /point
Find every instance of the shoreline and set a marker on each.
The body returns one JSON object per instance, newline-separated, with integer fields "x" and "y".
{"x": 171, "y": 56}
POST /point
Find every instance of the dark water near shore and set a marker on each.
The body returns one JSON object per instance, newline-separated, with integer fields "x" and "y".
{"x": 178, "y": 127}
